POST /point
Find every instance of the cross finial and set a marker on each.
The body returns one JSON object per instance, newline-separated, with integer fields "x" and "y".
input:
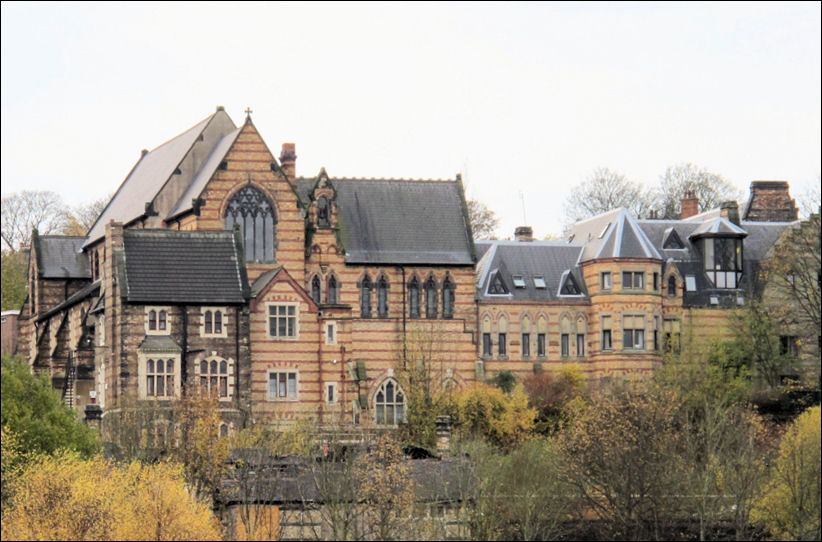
{"x": 248, "y": 111}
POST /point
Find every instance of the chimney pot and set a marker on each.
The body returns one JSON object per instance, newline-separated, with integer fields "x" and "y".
{"x": 690, "y": 205}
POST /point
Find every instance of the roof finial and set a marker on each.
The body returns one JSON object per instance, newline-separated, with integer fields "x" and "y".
{"x": 248, "y": 113}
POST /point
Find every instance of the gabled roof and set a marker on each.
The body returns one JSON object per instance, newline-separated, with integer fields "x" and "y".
{"x": 393, "y": 221}
{"x": 718, "y": 227}
{"x": 195, "y": 189}
{"x": 149, "y": 175}
{"x": 615, "y": 234}
{"x": 169, "y": 266}
{"x": 59, "y": 256}
{"x": 89, "y": 291}
{"x": 550, "y": 260}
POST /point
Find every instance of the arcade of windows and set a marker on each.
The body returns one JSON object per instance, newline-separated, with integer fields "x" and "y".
{"x": 159, "y": 376}
{"x": 213, "y": 322}
{"x": 429, "y": 293}
{"x": 332, "y": 290}
{"x": 213, "y": 377}
{"x": 529, "y": 331}
{"x": 157, "y": 321}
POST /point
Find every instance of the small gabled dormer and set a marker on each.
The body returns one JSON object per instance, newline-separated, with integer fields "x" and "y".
{"x": 496, "y": 286}
{"x": 671, "y": 240}
{"x": 568, "y": 285}
{"x": 720, "y": 247}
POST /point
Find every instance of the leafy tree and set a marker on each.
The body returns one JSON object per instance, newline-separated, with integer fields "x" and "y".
{"x": 483, "y": 220}
{"x": 24, "y": 211}
{"x": 488, "y": 412}
{"x": 552, "y": 395}
{"x": 711, "y": 189}
{"x": 789, "y": 508}
{"x": 605, "y": 190}
{"x": 33, "y": 411}
{"x": 13, "y": 276}
{"x": 64, "y": 497}
{"x": 756, "y": 344}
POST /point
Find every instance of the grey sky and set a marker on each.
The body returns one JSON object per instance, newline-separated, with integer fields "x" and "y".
{"x": 520, "y": 98}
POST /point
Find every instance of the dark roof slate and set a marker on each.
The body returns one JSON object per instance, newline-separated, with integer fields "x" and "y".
{"x": 59, "y": 256}
{"x": 169, "y": 266}
{"x": 615, "y": 234}
{"x": 548, "y": 259}
{"x": 393, "y": 221}
{"x": 159, "y": 343}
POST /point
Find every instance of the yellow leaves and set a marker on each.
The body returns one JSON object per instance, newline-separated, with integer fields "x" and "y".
{"x": 66, "y": 498}
{"x": 790, "y": 504}
{"x": 486, "y": 411}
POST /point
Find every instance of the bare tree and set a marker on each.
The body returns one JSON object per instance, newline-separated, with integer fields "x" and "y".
{"x": 711, "y": 189}
{"x": 483, "y": 220}
{"x": 29, "y": 209}
{"x": 605, "y": 190}
{"x": 83, "y": 217}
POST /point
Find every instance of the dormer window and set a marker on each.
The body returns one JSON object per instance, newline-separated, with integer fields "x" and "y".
{"x": 497, "y": 286}
{"x": 519, "y": 282}
{"x": 569, "y": 285}
{"x": 539, "y": 282}
{"x": 323, "y": 212}
{"x": 722, "y": 259}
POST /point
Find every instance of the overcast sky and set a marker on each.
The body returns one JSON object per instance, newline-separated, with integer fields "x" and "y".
{"x": 525, "y": 100}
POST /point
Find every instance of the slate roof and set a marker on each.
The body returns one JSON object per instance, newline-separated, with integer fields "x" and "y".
{"x": 392, "y": 221}
{"x": 147, "y": 177}
{"x": 718, "y": 227}
{"x": 169, "y": 266}
{"x": 90, "y": 290}
{"x": 548, "y": 259}
{"x": 159, "y": 343}
{"x": 195, "y": 189}
{"x": 615, "y": 234}
{"x": 59, "y": 256}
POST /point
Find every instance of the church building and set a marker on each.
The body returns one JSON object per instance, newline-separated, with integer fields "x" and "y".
{"x": 215, "y": 265}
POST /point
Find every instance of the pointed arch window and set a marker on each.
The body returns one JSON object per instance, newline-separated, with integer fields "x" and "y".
{"x": 447, "y": 298}
{"x": 382, "y": 297}
{"x": 414, "y": 298}
{"x": 430, "y": 298}
{"x": 315, "y": 289}
{"x": 254, "y": 213}
{"x": 333, "y": 290}
{"x": 365, "y": 297}
{"x": 389, "y": 403}
{"x": 671, "y": 286}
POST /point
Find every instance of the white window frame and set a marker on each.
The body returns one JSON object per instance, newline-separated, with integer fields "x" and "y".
{"x": 394, "y": 404}
{"x": 224, "y": 316}
{"x": 142, "y": 374}
{"x": 287, "y": 397}
{"x": 296, "y": 317}
{"x": 602, "y": 282}
{"x": 335, "y": 393}
{"x": 157, "y": 309}
{"x": 330, "y": 338}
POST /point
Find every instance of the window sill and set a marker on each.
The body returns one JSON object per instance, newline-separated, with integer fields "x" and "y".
{"x": 503, "y": 358}
{"x": 295, "y": 338}
{"x": 282, "y": 400}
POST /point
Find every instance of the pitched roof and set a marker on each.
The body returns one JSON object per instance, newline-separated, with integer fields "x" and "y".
{"x": 718, "y": 227}
{"x": 528, "y": 260}
{"x": 59, "y": 256}
{"x": 150, "y": 174}
{"x": 204, "y": 175}
{"x": 169, "y": 266}
{"x": 392, "y": 221}
{"x": 615, "y": 234}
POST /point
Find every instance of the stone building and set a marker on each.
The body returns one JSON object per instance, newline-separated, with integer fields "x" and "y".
{"x": 215, "y": 265}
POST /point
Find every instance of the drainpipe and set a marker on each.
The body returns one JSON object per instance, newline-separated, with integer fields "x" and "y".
{"x": 183, "y": 354}
{"x": 404, "y": 316}
{"x": 237, "y": 356}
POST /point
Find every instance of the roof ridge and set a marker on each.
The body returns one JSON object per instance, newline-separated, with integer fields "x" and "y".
{"x": 387, "y": 179}
{"x": 166, "y": 142}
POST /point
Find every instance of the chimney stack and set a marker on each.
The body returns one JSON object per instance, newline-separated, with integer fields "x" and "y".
{"x": 524, "y": 234}
{"x": 730, "y": 210}
{"x": 288, "y": 161}
{"x": 690, "y": 205}
{"x": 770, "y": 201}
{"x": 443, "y": 434}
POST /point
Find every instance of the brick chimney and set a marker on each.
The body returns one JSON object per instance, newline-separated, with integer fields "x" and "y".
{"x": 770, "y": 201}
{"x": 730, "y": 211}
{"x": 524, "y": 234}
{"x": 288, "y": 161}
{"x": 443, "y": 434}
{"x": 690, "y": 204}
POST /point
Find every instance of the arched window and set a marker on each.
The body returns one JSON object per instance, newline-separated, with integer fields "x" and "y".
{"x": 542, "y": 336}
{"x": 152, "y": 320}
{"x": 252, "y": 210}
{"x": 223, "y": 430}
{"x": 218, "y": 322}
{"x": 671, "y": 286}
{"x": 214, "y": 377}
{"x": 447, "y": 298}
{"x": 323, "y": 212}
{"x": 486, "y": 336}
{"x": 161, "y": 320}
{"x": 502, "y": 336}
{"x": 382, "y": 297}
{"x": 414, "y": 298}
{"x": 389, "y": 403}
{"x": 315, "y": 289}
{"x": 333, "y": 290}
{"x": 365, "y": 298}
{"x": 581, "y": 331}
{"x": 430, "y": 298}
{"x": 525, "y": 331}
{"x": 209, "y": 322}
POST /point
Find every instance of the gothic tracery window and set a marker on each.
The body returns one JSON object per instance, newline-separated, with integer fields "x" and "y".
{"x": 389, "y": 404}
{"x": 315, "y": 289}
{"x": 430, "y": 298}
{"x": 382, "y": 297}
{"x": 414, "y": 298}
{"x": 254, "y": 213}
{"x": 365, "y": 298}
{"x": 447, "y": 298}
